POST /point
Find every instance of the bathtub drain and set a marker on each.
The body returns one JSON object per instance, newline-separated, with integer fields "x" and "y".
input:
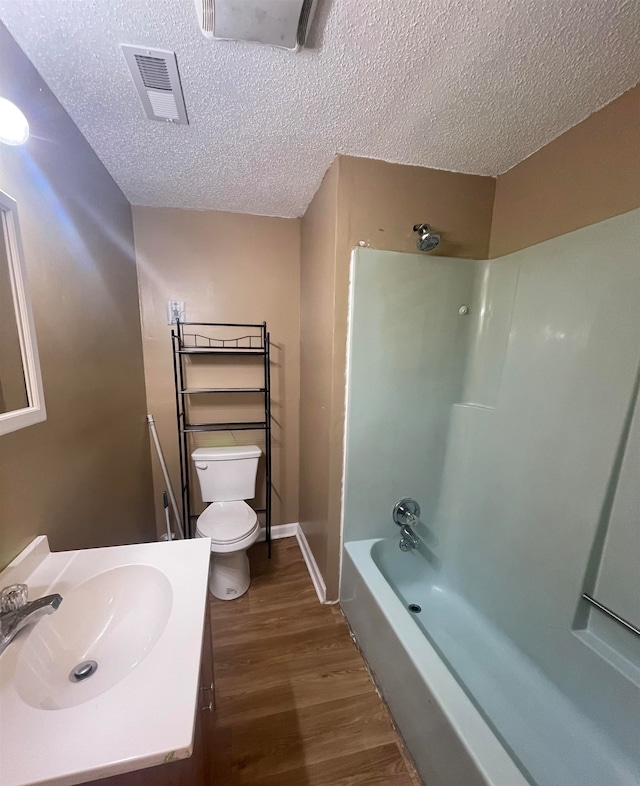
{"x": 414, "y": 608}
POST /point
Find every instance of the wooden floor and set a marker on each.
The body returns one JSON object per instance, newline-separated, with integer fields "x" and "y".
{"x": 294, "y": 703}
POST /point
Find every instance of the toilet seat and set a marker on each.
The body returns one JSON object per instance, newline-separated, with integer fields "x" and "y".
{"x": 226, "y": 523}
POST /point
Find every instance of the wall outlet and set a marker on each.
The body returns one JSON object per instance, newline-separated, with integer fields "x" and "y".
{"x": 176, "y": 310}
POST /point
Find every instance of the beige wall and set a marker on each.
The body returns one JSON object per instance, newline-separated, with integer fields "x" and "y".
{"x": 590, "y": 173}
{"x": 317, "y": 290}
{"x": 375, "y": 203}
{"x": 83, "y": 476}
{"x": 228, "y": 268}
{"x": 381, "y": 202}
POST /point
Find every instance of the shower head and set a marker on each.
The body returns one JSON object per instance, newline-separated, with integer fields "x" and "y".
{"x": 427, "y": 239}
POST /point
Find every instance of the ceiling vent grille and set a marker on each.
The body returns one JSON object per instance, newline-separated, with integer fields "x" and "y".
{"x": 281, "y": 23}
{"x": 155, "y": 75}
{"x": 154, "y": 72}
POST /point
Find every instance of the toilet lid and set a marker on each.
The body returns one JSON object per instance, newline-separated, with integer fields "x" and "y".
{"x": 227, "y": 522}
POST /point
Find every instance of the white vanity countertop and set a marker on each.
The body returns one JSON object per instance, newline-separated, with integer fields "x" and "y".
{"x": 145, "y": 717}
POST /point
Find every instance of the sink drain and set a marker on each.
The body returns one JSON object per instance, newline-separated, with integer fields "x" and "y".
{"x": 83, "y": 670}
{"x": 414, "y": 608}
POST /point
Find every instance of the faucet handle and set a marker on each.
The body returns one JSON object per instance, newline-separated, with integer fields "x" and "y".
{"x": 13, "y": 597}
{"x": 406, "y": 512}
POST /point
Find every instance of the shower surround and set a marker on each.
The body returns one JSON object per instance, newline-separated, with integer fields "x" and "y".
{"x": 516, "y": 427}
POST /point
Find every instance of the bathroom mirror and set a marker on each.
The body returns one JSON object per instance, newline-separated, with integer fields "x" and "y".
{"x": 21, "y": 398}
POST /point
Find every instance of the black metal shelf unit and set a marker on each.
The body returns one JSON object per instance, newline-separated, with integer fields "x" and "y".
{"x": 198, "y": 338}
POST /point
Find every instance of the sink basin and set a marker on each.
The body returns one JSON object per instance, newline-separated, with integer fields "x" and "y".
{"x": 114, "y": 619}
{"x": 138, "y": 611}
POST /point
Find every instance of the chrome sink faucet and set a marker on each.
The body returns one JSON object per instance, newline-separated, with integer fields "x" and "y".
{"x": 16, "y": 612}
{"x": 406, "y": 515}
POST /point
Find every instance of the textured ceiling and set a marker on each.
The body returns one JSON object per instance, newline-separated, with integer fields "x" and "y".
{"x": 466, "y": 85}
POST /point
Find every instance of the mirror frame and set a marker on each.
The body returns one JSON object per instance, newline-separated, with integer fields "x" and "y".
{"x": 35, "y": 412}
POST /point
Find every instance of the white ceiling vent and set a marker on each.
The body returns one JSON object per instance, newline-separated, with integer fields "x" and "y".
{"x": 281, "y": 23}
{"x": 155, "y": 75}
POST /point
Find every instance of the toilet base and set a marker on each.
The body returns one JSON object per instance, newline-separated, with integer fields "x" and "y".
{"x": 229, "y": 575}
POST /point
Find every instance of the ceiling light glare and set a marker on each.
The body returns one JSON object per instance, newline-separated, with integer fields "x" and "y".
{"x": 14, "y": 127}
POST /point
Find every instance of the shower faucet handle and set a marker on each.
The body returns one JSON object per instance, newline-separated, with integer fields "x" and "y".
{"x": 406, "y": 512}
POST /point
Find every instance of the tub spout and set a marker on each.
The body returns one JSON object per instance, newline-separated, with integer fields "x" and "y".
{"x": 408, "y": 538}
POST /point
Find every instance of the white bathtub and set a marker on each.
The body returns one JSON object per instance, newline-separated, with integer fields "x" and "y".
{"x": 472, "y": 708}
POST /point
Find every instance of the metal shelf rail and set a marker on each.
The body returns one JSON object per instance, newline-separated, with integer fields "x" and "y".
{"x": 190, "y": 339}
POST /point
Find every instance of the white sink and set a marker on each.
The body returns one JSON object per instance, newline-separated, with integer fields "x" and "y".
{"x": 113, "y": 619}
{"x": 138, "y": 612}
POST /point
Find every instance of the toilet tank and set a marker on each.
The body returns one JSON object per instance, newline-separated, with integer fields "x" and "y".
{"x": 227, "y": 474}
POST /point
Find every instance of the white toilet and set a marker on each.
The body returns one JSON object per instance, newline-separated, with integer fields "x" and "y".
{"x": 227, "y": 477}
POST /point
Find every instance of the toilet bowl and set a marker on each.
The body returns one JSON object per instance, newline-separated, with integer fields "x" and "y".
{"x": 227, "y": 477}
{"x": 232, "y": 528}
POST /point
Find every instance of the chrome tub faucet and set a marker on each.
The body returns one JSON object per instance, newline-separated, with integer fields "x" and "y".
{"x": 406, "y": 515}
{"x": 16, "y": 612}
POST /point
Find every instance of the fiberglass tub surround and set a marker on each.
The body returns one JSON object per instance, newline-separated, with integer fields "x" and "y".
{"x": 137, "y": 611}
{"x": 517, "y": 429}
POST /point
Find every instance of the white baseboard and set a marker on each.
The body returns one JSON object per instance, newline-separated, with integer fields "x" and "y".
{"x": 312, "y": 566}
{"x": 294, "y": 529}
{"x": 279, "y": 531}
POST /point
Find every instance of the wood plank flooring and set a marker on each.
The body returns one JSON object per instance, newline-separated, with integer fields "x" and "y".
{"x": 294, "y": 703}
